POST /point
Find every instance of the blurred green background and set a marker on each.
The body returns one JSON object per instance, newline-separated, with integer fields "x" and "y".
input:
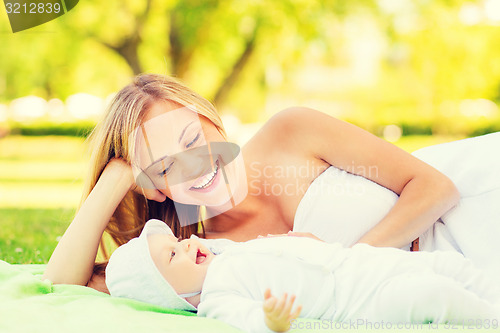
{"x": 415, "y": 72}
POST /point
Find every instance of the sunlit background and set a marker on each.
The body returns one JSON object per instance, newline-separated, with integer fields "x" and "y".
{"x": 415, "y": 72}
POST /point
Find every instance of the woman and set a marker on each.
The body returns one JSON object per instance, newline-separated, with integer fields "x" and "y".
{"x": 281, "y": 161}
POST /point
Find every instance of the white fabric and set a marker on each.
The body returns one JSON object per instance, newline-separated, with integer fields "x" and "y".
{"x": 236, "y": 279}
{"x": 341, "y": 207}
{"x": 336, "y": 283}
{"x": 131, "y": 272}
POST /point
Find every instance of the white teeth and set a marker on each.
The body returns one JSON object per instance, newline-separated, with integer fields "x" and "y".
{"x": 207, "y": 180}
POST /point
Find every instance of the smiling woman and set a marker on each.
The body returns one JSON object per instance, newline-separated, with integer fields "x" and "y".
{"x": 180, "y": 153}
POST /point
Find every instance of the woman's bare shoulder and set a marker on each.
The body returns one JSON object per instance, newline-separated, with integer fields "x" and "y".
{"x": 291, "y": 127}
{"x": 294, "y": 117}
{"x": 290, "y": 130}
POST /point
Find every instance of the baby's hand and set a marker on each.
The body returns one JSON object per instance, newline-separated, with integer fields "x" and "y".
{"x": 277, "y": 313}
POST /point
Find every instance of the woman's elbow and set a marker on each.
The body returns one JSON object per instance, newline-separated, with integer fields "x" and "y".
{"x": 449, "y": 191}
{"x": 56, "y": 278}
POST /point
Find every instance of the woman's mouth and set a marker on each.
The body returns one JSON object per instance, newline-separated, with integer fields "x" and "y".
{"x": 200, "y": 257}
{"x": 206, "y": 181}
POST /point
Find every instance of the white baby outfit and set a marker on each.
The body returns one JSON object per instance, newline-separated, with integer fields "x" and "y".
{"x": 339, "y": 284}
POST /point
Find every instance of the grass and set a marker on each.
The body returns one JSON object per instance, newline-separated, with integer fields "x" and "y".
{"x": 29, "y": 235}
{"x": 40, "y": 188}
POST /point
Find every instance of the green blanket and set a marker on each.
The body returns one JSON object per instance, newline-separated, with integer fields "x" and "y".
{"x": 28, "y": 304}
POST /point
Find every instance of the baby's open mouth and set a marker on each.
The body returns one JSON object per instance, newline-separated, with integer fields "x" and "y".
{"x": 200, "y": 257}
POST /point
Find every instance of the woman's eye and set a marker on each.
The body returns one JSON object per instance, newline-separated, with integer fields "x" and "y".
{"x": 193, "y": 141}
{"x": 164, "y": 172}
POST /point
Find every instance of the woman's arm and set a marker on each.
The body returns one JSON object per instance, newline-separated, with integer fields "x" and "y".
{"x": 425, "y": 193}
{"x": 73, "y": 259}
{"x": 423, "y": 200}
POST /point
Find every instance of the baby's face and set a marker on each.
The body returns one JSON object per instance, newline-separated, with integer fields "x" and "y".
{"x": 183, "y": 263}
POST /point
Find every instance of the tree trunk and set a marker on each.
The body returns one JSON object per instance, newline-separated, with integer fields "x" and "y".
{"x": 223, "y": 92}
{"x": 180, "y": 55}
{"x": 128, "y": 50}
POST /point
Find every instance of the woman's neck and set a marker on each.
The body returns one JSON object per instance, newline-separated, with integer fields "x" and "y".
{"x": 232, "y": 217}
{"x": 251, "y": 210}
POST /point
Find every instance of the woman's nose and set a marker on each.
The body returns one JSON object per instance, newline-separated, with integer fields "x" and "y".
{"x": 192, "y": 165}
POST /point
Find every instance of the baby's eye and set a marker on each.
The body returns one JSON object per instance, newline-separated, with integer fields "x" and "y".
{"x": 172, "y": 255}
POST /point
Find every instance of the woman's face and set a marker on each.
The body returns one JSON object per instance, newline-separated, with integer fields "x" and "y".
{"x": 180, "y": 154}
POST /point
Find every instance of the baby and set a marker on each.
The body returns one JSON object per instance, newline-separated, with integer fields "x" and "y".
{"x": 233, "y": 281}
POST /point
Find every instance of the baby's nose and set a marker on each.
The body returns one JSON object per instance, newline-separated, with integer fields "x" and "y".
{"x": 184, "y": 245}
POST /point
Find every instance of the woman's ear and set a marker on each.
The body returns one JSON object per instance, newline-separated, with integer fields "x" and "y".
{"x": 154, "y": 195}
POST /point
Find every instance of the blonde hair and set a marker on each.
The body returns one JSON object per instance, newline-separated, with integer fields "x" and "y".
{"x": 110, "y": 138}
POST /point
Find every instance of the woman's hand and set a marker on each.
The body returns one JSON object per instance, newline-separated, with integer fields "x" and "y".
{"x": 293, "y": 234}
{"x": 272, "y": 235}
{"x": 117, "y": 165}
{"x": 278, "y": 313}
{"x": 303, "y": 234}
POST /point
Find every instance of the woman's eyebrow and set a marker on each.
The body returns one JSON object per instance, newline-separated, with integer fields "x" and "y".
{"x": 184, "y": 131}
{"x": 165, "y": 156}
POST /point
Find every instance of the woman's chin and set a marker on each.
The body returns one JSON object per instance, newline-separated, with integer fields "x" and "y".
{"x": 223, "y": 203}
{"x": 213, "y": 199}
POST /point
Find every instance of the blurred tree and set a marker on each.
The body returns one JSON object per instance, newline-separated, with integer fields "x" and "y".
{"x": 127, "y": 46}
{"x": 238, "y": 52}
{"x": 225, "y": 30}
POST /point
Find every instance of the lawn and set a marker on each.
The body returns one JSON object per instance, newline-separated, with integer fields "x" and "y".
{"x": 40, "y": 188}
